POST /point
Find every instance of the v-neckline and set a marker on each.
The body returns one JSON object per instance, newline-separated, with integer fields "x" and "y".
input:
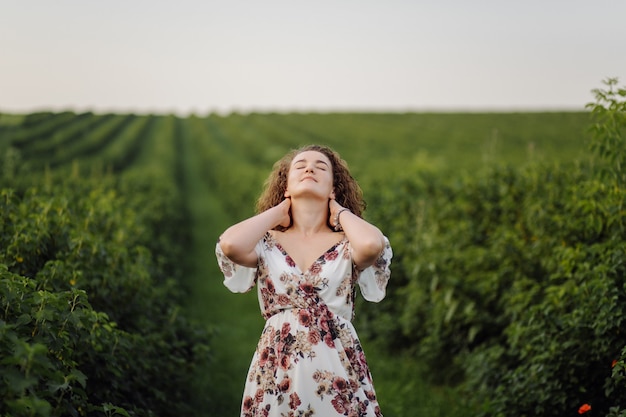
{"x": 295, "y": 265}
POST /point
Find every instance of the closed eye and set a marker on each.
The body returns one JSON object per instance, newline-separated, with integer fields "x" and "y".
{"x": 301, "y": 164}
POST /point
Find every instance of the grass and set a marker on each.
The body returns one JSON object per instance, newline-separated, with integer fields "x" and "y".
{"x": 404, "y": 391}
{"x": 236, "y": 317}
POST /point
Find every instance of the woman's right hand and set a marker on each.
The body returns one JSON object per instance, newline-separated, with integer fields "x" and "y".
{"x": 284, "y": 207}
{"x": 239, "y": 240}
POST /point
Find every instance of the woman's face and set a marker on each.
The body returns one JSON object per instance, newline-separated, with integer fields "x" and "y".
{"x": 310, "y": 173}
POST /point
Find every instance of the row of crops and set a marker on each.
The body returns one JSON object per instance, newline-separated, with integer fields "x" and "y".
{"x": 510, "y": 281}
{"x": 508, "y": 234}
{"x": 92, "y": 319}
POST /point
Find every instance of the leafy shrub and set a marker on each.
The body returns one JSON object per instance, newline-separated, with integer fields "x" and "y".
{"x": 91, "y": 321}
{"x": 609, "y": 128}
{"x": 43, "y": 336}
{"x": 511, "y": 280}
{"x": 514, "y": 288}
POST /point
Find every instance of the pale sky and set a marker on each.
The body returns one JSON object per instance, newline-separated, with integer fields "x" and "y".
{"x": 276, "y": 55}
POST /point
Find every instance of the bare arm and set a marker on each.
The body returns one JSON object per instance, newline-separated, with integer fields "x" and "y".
{"x": 238, "y": 241}
{"x": 367, "y": 240}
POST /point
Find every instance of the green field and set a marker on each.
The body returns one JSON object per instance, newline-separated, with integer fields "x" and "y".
{"x": 211, "y": 169}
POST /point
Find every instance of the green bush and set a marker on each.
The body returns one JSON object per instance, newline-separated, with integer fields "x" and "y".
{"x": 513, "y": 287}
{"x": 91, "y": 321}
{"x": 43, "y": 336}
{"x": 509, "y": 283}
{"x": 609, "y": 129}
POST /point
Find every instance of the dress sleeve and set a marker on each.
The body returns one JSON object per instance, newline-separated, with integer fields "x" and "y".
{"x": 237, "y": 278}
{"x": 373, "y": 279}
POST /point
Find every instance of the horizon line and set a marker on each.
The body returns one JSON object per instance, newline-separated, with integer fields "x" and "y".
{"x": 294, "y": 110}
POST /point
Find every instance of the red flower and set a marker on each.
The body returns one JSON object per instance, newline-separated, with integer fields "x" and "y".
{"x": 258, "y": 398}
{"x": 264, "y": 356}
{"x": 340, "y": 384}
{"x": 315, "y": 269}
{"x": 314, "y": 337}
{"x": 307, "y": 288}
{"x": 340, "y": 404}
{"x": 294, "y": 401}
{"x": 328, "y": 339}
{"x": 248, "y": 402}
{"x": 370, "y": 395}
{"x": 285, "y": 361}
{"x": 584, "y": 408}
{"x": 285, "y": 384}
{"x": 305, "y": 317}
{"x": 354, "y": 385}
{"x": 324, "y": 324}
{"x": 613, "y": 363}
{"x": 284, "y": 331}
{"x": 283, "y": 300}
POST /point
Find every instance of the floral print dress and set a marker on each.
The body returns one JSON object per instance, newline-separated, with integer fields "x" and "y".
{"x": 309, "y": 360}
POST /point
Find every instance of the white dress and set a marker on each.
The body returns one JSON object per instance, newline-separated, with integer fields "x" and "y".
{"x": 309, "y": 360}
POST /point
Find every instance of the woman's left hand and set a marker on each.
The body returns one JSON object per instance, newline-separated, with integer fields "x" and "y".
{"x": 334, "y": 208}
{"x": 366, "y": 240}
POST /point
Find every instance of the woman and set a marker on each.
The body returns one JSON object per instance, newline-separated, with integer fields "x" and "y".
{"x": 306, "y": 250}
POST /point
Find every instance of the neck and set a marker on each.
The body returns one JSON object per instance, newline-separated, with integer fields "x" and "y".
{"x": 309, "y": 217}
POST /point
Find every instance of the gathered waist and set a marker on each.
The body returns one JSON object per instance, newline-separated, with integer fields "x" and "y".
{"x": 305, "y": 315}
{"x": 279, "y": 311}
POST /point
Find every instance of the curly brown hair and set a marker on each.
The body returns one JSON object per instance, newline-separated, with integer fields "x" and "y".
{"x": 348, "y": 193}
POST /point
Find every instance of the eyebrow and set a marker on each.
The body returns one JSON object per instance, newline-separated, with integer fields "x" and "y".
{"x": 317, "y": 162}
